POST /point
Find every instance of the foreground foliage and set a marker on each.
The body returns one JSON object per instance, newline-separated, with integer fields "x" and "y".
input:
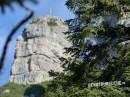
{"x": 100, "y": 51}
{"x": 16, "y": 90}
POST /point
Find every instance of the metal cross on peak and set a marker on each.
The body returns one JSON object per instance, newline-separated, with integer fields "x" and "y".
{"x": 50, "y": 12}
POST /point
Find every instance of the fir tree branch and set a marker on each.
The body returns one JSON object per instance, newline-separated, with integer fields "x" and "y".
{"x": 12, "y": 33}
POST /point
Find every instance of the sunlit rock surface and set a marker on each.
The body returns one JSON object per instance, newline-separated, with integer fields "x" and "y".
{"x": 38, "y": 50}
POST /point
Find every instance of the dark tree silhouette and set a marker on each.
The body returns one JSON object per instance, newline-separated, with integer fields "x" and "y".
{"x": 8, "y": 3}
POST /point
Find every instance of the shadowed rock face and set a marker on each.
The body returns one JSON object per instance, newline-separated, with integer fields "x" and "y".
{"x": 38, "y": 50}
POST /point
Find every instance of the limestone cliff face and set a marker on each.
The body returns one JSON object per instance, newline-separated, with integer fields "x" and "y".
{"x": 38, "y": 50}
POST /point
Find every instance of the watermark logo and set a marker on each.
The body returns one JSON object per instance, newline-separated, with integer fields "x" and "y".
{"x": 114, "y": 83}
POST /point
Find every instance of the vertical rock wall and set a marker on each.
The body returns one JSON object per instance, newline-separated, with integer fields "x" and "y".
{"x": 38, "y": 50}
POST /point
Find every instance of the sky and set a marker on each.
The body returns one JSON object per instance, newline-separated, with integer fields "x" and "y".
{"x": 11, "y": 18}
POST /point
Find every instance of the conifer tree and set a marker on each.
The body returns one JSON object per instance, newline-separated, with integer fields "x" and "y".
{"x": 99, "y": 21}
{"x": 100, "y": 50}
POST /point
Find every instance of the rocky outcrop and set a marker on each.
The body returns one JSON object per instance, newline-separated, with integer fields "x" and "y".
{"x": 38, "y": 50}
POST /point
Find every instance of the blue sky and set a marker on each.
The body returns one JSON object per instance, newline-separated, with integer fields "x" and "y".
{"x": 11, "y": 18}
